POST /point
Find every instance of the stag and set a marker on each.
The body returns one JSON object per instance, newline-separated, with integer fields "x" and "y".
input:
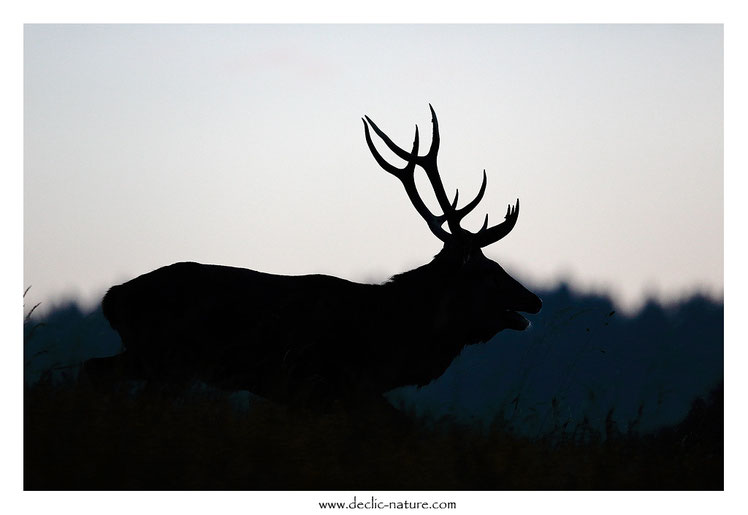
{"x": 317, "y": 338}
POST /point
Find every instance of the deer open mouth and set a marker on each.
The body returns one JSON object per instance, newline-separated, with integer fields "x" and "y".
{"x": 516, "y": 321}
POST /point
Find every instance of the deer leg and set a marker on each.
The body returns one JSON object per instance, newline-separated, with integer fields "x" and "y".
{"x": 106, "y": 373}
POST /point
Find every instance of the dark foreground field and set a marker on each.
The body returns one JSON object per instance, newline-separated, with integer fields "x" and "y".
{"x": 76, "y": 439}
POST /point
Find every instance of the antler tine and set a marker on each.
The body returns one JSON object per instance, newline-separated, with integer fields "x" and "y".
{"x": 397, "y": 172}
{"x": 399, "y": 152}
{"x": 463, "y": 211}
{"x": 430, "y": 156}
{"x": 435, "y": 139}
{"x": 486, "y": 236}
{"x": 406, "y": 176}
{"x": 428, "y": 163}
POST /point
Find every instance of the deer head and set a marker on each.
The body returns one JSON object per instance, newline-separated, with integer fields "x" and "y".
{"x": 481, "y": 292}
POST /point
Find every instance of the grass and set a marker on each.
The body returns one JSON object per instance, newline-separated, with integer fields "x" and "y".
{"x": 76, "y": 438}
{"x": 79, "y": 439}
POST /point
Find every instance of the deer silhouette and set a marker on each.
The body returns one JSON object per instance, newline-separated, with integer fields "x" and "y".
{"x": 317, "y": 338}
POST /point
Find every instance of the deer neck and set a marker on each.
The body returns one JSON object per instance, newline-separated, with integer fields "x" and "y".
{"x": 423, "y": 295}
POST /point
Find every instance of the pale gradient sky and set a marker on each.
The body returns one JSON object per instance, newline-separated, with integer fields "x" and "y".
{"x": 243, "y": 145}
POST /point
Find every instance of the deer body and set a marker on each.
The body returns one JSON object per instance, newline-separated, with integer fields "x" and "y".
{"x": 320, "y": 338}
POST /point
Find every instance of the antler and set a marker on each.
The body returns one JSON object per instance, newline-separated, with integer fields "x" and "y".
{"x": 487, "y": 236}
{"x": 406, "y": 176}
{"x": 451, "y": 214}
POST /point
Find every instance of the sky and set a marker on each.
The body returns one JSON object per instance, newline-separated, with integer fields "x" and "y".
{"x": 243, "y": 145}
